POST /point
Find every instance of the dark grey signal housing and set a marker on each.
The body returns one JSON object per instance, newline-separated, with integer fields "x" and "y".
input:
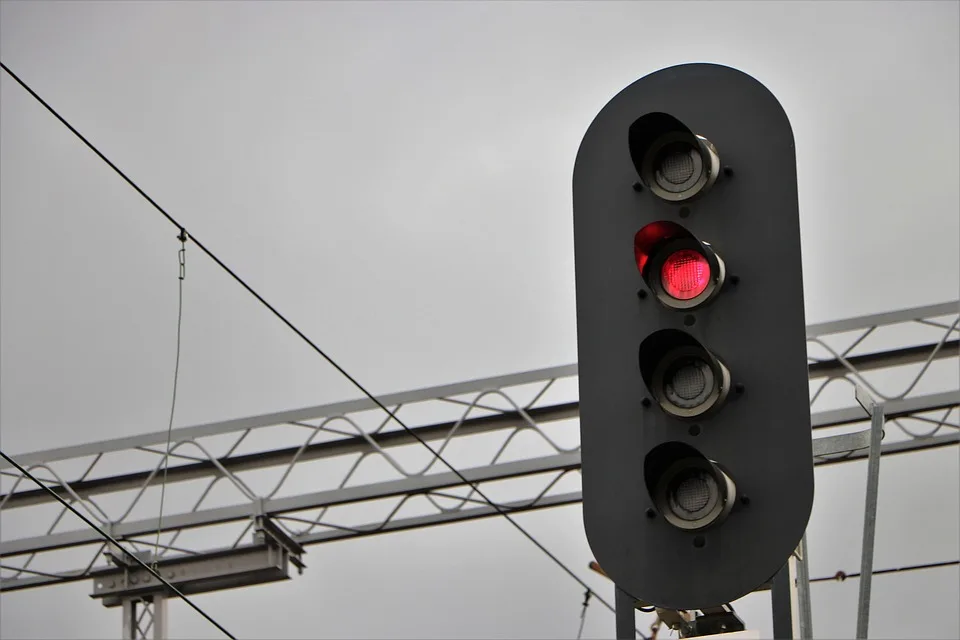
{"x": 692, "y": 496}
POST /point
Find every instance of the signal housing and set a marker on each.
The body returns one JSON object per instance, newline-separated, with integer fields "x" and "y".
{"x": 761, "y": 440}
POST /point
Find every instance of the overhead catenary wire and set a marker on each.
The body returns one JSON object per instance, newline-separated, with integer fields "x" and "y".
{"x": 500, "y": 511}
{"x": 106, "y": 536}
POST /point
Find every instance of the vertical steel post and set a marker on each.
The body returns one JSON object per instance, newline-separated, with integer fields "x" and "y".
{"x": 129, "y": 619}
{"x": 626, "y": 615}
{"x": 793, "y": 572}
{"x": 805, "y": 613}
{"x": 159, "y": 603}
{"x": 876, "y": 412}
{"x": 780, "y": 598}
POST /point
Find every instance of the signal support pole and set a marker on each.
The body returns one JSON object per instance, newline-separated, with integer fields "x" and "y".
{"x": 790, "y": 589}
{"x": 876, "y": 411}
{"x": 781, "y": 602}
{"x": 805, "y": 613}
{"x": 626, "y": 615}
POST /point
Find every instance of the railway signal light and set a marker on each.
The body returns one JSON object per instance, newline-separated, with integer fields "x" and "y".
{"x": 695, "y": 423}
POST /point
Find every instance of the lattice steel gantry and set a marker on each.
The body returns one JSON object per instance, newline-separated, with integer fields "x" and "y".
{"x": 342, "y": 470}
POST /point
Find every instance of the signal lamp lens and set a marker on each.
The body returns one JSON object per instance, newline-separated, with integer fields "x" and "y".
{"x": 674, "y": 163}
{"x": 694, "y": 493}
{"x": 691, "y": 494}
{"x": 688, "y": 383}
{"x": 685, "y": 274}
{"x": 686, "y": 379}
{"x": 677, "y": 167}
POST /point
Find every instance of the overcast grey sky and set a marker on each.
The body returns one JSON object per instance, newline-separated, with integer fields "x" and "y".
{"x": 395, "y": 177}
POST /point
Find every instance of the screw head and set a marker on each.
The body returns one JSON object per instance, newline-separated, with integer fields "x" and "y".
{"x": 638, "y": 187}
{"x": 646, "y": 403}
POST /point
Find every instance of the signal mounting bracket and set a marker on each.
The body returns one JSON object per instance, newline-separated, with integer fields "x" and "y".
{"x": 712, "y": 621}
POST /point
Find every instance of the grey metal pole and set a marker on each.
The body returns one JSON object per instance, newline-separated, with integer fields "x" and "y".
{"x": 626, "y": 615}
{"x": 803, "y": 592}
{"x": 159, "y": 603}
{"x": 129, "y": 619}
{"x": 780, "y": 604}
{"x": 870, "y": 510}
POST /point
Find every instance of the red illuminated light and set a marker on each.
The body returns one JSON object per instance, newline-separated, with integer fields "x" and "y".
{"x": 685, "y": 274}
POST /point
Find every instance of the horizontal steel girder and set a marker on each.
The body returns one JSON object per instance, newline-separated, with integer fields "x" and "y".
{"x": 420, "y": 484}
{"x": 828, "y": 368}
{"x": 242, "y": 567}
{"x": 276, "y": 506}
{"x": 276, "y": 457}
{"x": 462, "y": 515}
{"x": 544, "y": 415}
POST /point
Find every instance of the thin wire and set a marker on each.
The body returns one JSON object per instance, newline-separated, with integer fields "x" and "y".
{"x": 111, "y": 539}
{"x": 182, "y": 259}
{"x": 303, "y": 336}
{"x": 583, "y": 612}
{"x": 840, "y": 576}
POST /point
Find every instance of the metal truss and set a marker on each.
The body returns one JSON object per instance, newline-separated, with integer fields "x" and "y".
{"x": 344, "y": 470}
{"x": 145, "y": 618}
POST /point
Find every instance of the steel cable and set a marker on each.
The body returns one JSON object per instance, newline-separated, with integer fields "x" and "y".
{"x": 303, "y": 336}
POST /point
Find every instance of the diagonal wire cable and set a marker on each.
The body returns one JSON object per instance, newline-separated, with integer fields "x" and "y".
{"x": 840, "y": 576}
{"x": 112, "y": 540}
{"x": 303, "y": 336}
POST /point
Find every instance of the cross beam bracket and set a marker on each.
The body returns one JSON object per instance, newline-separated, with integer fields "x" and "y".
{"x": 267, "y": 560}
